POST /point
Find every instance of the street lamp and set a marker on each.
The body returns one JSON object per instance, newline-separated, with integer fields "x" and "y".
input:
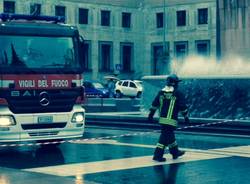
{"x": 165, "y": 52}
{"x": 164, "y": 27}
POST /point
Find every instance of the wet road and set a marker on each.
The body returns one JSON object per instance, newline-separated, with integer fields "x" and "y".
{"x": 112, "y": 156}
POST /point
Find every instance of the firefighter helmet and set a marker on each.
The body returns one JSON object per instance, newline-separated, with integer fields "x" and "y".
{"x": 172, "y": 80}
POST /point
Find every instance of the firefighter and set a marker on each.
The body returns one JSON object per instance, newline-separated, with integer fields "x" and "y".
{"x": 169, "y": 101}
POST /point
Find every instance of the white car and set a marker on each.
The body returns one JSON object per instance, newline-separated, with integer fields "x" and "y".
{"x": 131, "y": 88}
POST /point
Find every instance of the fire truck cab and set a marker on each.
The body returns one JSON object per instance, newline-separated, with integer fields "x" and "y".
{"x": 40, "y": 79}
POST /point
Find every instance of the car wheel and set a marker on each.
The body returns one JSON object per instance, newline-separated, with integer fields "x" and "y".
{"x": 118, "y": 94}
{"x": 138, "y": 95}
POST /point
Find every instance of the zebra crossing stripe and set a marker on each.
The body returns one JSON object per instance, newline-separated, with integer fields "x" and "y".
{"x": 118, "y": 164}
{"x": 139, "y": 162}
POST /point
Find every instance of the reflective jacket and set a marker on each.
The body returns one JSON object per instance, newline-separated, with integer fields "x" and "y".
{"x": 169, "y": 102}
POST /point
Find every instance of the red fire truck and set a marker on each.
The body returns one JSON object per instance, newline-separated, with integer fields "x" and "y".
{"x": 40, "y": 79}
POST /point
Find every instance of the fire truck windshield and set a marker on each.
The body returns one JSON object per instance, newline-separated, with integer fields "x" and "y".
{"x": 24, "y": 53}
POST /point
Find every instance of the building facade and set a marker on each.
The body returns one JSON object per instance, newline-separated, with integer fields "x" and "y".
{"x": 234, "y": 18}
{"x": 132, "y": 38}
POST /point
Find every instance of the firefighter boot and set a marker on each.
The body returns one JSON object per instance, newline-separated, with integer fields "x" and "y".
{"x": 158, "y": 155}
{"x": 175, "y": 152}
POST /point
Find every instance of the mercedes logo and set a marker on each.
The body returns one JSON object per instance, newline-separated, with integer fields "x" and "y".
{"x": 44, "y": 99}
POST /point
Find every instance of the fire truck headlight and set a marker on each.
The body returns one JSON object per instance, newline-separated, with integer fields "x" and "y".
{"x": 78, "y": 117}
{"x": 7, "y": 121}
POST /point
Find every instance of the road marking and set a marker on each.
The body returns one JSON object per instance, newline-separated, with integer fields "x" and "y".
{"x": 118, "y": 164}
{"x": 78, "y": 169}
{"x": 241, "y": 151}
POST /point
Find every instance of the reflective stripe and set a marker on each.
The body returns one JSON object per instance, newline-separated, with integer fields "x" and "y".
{"x": 172, "y": 145}
{"x": 167, "y": 121}
{"x": 161, "y": 146}
{"x": 171, "y": 107}
{"x": 161, "y": 104}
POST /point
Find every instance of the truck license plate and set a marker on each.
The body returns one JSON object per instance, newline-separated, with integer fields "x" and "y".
{"x": 45, "y": 119}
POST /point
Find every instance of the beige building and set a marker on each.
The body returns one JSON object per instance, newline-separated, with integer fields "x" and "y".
{"x": 132, "y": 38}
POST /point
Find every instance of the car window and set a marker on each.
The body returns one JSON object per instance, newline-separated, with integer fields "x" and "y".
{"x": 120, "y": 82}
{"x": 125, "y": 84}
{"x": 132, "y": 85}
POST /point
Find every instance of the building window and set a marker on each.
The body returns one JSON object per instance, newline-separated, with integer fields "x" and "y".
{"x": 181, "y": 50}
{"x": 126, "y": 56}
{"x": 83, "y": 16}
{"x": 181, "y": 18}
{"x": 35, "y": 9}
{"x": 160, "y": 58}
{"x": 157, "y": 58}
{"x": 202, "y": 16}
{"x": 126, "y": 20}
{"x": 9, "y": 7}
{"x": 159, "y": 20}
{"x": 105, "y": 57}
{"x": 203, "y": 47}
{"x": 60, "y": 11}
{"x": 105, "y": 18}
{"x": 86, "y": 55}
